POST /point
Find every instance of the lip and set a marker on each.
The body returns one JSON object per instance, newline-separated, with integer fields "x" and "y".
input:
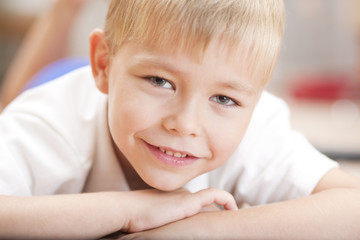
{"x": 171, "y": 161}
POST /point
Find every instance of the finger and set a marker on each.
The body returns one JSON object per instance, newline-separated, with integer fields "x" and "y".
{"x": 222, "y": 198}
{"x": 210, "y": 208}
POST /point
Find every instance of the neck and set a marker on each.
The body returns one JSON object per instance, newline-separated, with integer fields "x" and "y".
{"x": 133, "y": 179}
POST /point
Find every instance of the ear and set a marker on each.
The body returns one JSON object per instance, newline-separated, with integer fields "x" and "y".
{"x": 99, "y": 59}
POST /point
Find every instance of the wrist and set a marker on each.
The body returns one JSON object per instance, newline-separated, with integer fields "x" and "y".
{"x": 205, "y": 225}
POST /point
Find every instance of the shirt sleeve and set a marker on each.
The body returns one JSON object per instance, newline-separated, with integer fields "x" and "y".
{"x": 273, "y": 162}
{"x": 34, "y": 158}
{"x": 38, "y": 154}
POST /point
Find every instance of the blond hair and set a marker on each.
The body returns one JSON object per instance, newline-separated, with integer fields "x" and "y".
{"x": 254, "y": 25}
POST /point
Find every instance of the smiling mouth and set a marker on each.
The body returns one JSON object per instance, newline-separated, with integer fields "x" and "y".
{"x": 172, "y": 158}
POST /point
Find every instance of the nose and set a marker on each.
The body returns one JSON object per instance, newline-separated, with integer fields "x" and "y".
{"x": 183, "y": 121}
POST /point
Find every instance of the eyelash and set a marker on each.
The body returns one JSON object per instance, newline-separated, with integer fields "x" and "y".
{"x": 234, "y": 102}
{"x": 152, "y": 80}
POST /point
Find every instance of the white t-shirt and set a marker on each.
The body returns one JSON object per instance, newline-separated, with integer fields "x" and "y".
{"x": 55, "y": 139}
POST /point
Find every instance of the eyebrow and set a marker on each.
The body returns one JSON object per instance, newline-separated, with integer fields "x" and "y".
{"x": 149, "y": 61}
{"x": 237, "y": 85}
{"x": 234, "y": 83}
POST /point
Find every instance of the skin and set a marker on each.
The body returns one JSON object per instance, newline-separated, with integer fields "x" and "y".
{"x": 331, "y": 212}
{"x": 94, "y": 215}
{"x": 333, "y": 207}
{"x": 177, "y": 102}
{"x": 62, "y": 216}
{"x": 185, "y": 113}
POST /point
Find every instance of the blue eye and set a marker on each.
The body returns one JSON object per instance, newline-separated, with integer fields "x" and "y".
{"x": 160, "y": 82}
{"x": 223, "y": 100}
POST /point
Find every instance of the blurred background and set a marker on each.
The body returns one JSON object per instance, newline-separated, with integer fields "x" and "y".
{"x": 319, "y": 75}
{"x": 318, "y": 72}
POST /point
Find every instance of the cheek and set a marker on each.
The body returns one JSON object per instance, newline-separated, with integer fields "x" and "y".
{"x": 226, "y": 139}
{"x": 127, "y": 115}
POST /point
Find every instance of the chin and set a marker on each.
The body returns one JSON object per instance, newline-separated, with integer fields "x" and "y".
{"x": 164, "y": 184}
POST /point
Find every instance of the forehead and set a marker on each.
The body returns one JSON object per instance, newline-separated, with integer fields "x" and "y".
{"x": 215, "y": 63}
{"x": 237, "y": 52}
{"x": 218, "y": 51}
{"x": 215, "y": 52}
{"x": 190, "y": 26}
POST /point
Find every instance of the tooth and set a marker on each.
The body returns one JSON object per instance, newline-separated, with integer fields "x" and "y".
{"x": 177, "y": 154}
{"x": 170, "y": 153}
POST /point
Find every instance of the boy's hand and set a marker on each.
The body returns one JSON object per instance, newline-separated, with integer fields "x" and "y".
{"x": 149, "y": 209}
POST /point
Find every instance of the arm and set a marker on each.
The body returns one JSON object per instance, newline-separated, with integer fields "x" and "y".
{"x": 94, "y": 215}
{"x": 45, "y": 42}
{"x": 332, "y": 211}
{"x": 65, "y": 216}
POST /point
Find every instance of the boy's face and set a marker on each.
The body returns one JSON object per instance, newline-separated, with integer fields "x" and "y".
{"x": 174, "y": 117}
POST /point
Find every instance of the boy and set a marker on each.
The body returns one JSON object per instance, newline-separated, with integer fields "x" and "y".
{"x": 177, "y": 103}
